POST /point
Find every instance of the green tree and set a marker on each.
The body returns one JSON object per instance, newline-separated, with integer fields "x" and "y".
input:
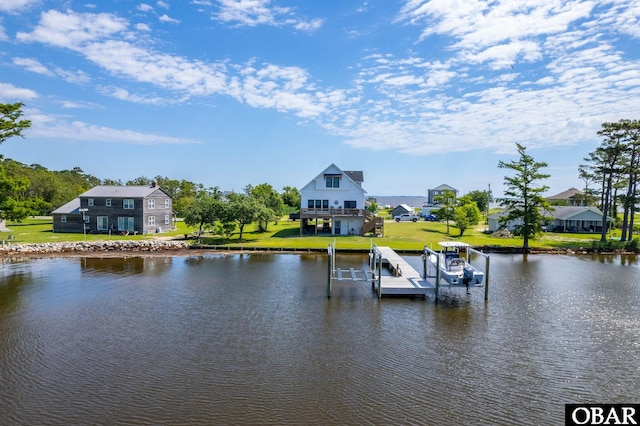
{"x": 140, "y": 181}
{"x": 606, "y": 165}
{"x": 273, "y": 205}
{"x": 524, "y": 200}
{"x": 13, "y": 204}
{"x": 244, "y": 209}
{"x": 481, "y": 198}
{"x": 466, "y": 213}
{"x": 203, "y": 212}
{"x": 447, "y": 201}
{"x": 10, "y": 123}
{"x": 291, "y": 198}
{"x": 373, "y": 205}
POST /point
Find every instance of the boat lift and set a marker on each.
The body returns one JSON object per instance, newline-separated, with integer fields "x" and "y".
{"x": 403, "y": 278}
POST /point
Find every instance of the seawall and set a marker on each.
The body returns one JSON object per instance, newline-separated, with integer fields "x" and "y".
{"x": 81, "y": 247}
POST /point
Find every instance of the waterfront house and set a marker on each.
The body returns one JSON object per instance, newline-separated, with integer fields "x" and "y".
{"x": 117, "y": 209}
{"x": 561, "y": 219}
{"x": 333, "y": 203}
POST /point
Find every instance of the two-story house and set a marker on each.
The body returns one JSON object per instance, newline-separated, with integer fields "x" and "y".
{"x": 117, "y": 209}
{"x": 439, "y": 190}
{"x": 333, "y": 203}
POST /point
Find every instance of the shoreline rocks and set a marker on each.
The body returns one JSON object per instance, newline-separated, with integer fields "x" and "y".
{"x": 95, "y": 246}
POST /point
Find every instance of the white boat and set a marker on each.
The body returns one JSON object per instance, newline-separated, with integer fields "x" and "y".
{"x": 455, "y": 269}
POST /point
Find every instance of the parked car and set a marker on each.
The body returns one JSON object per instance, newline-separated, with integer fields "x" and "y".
{"x": 430, "y": 218}
{"x": 406, "y": 217}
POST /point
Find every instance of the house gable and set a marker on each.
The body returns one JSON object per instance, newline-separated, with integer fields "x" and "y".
{"x": 333, "y": 187}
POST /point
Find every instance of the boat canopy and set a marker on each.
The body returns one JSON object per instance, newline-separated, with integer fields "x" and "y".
{"x": 454, "y": 244}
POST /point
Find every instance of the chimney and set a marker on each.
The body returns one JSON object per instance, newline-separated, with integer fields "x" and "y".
{"x": 154, "y": 183}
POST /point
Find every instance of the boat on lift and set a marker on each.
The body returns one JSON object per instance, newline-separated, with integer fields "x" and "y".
{"x": 455, "y": 269}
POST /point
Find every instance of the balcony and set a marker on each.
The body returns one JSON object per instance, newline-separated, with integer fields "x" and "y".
{"x": 330, "y": 212}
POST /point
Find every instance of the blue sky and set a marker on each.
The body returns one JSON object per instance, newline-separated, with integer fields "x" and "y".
{"x": 227, "y": 93}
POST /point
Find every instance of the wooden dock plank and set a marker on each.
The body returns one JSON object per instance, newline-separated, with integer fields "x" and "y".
{"x": 408, "y": 282}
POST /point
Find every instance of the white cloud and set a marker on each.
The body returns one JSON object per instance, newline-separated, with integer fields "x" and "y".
{"x": 143, "y": 7}
{"x": 123, "y": 94}
{"x": 163, "y": 4}
{"x": 142, "y": 27}
{"x": 49, "y": 127}
{"x": 9, "y": 92}
{"x": 16, "y": 5}
{"x": 252, "y": 13}
{"x": 106, "y": 44}
{"x": 166, "y": 18}
{"x": 496, "y": 32}
{"x": 73, "y": 30}
{"x": 32, "y": 65}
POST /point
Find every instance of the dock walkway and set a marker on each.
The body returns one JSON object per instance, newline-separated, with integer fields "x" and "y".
{"x": 405, "y": 280}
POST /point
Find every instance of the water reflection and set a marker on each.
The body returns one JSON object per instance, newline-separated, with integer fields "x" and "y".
{"x": 253, "y": 339}
{"x": 125, "y": 266}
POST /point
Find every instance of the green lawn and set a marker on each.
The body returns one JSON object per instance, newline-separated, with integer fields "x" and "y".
{"x": 285, "y": 234}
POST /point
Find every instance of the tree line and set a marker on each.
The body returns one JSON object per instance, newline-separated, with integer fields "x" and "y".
{"x": 31, "y": 190}
{"x": 614, "y": 167}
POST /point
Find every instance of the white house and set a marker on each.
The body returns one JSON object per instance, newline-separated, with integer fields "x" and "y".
{"x": 333, "y": 203}
{"x": 564, "y": 219}
{"x": 577, "y": 219}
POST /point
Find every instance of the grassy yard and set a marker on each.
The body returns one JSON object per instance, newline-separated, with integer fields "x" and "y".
{"x": 285, "y": 234}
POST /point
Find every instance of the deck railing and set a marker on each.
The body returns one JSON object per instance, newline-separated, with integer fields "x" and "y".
{"x": 313, "y": 212}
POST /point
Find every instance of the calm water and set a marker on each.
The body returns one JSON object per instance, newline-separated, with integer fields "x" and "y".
{"x": 253, "y": 339}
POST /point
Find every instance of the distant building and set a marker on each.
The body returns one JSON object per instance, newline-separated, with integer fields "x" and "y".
{"x": 439, "y": 190}
{"x": 570, "y": 197}
{"x": 401, "y": 209}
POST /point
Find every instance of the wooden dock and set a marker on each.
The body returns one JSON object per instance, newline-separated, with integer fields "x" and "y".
{"x": 404, "y": 279}
{"x": 399, "y": 278}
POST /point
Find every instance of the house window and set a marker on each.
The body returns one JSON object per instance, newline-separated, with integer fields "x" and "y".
{"x": 151, "y": 221}
{"x": 127, "y": 203}
{"x": 63, "y": 218}
{"x": 349, "y": 204}
{"x": 167, "y": 203}
{"x": 90, "y": 202}
{"x": 151, "y": 204}
{"x": 125, "y": 224}
{"x": 318, "y": 204}
{"x": 310, "y": 204}
{"x": 332, "y": 181}
{"x": 103, "y": 223}
{"x": 325, "y": 204}
{"x": 167, "y": 219}
{"x": 107, "y": 202}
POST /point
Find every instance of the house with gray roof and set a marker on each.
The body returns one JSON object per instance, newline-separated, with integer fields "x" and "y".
{"x": 439, "y": 190}
{"x": 561, "y": 219}
{"x": 117, "y": 209}
{"x": 333, "y": 203}
{"x": 570, "y": 197}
